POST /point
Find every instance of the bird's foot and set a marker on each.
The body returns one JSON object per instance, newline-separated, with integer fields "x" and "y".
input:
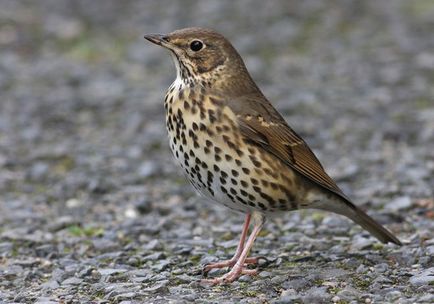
{"x": 232, "y": 275}
{"x": 230, "y": 263}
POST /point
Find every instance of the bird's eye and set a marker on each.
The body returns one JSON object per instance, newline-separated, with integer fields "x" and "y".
{"x": 196, "y": 45}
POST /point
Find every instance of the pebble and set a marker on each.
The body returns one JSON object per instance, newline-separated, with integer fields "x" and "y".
{"x": 399, "y": 203}
{"x": 72, "y": 281}
{"x": 425, "y": 277}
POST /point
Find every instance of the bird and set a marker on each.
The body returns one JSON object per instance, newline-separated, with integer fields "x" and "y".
{"x": 237, "y": 150}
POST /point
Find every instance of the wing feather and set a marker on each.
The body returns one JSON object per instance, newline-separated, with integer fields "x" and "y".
{"x": 263, "y": 126}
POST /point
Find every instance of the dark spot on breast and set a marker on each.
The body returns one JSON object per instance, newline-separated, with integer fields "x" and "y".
{"x": 191, "y": 152}
{"x": 234, "y": 173}
{"x": 223, "y": 174}
{"x": 264, "y": 183}
{"x": 268, "y": 198}
{"x": 217, "y": 158}
{"x": 211, "y": 115}
{"x": 216, "y": 168}
{"x": 228, "y": 157}
{"x": 245, "y": 170}
{"x": 254, "y": 181}
{"x": 210, "y": 176}
{"x": 208, "y": 143}
{"x": 186, "y": 105}
{"x": 241, "y": 200}
{"x": 223, "y": 189}
{"x": 243, "y": 192}
{"x": 238, "y": 162}
{"x": 202, "y": 127}
{"x": 195, "y": 126}
{"x": 234, "y": 181}
{"x": 262, "y": 206}
{"x": 215, "y": 101}
{"x": 206, "y": 150}
{"x": 217, "y": 150}
{"x": 257, "y": 189}
{"x": 255, "y": 161}
{"x": 244, "y": 183}
{"x": 273, "y": 185}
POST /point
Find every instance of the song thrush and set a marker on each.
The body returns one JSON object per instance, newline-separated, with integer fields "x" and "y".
{"x": 236, "y": 149}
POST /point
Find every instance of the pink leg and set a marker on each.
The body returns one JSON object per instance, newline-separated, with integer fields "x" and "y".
{"x": 240, "y": 247}
{"x": 241, "y": 259}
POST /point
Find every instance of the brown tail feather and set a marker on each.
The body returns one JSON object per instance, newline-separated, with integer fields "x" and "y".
{"x": 374, "y": 228}
{"x": 360, "y": 217}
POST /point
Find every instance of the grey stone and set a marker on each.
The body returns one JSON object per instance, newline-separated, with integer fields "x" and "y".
{"x": 72, "y": 281}
{"x": 393, "y": 295}
{"x": 317, "y": 295}
{"x": 111, "y": 271}
{"x": 52, "y": 284}
{"x": 424, "y": 277}
{"x": 399, "y": 203}
{"x": 160, "y": 288}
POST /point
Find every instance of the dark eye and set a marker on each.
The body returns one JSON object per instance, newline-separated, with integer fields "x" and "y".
{"x": 196, "y": 45}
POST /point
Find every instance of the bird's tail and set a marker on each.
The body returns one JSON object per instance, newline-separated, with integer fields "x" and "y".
{"x": 351, "y": 211}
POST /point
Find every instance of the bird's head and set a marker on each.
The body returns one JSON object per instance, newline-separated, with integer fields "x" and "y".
{"x": 201, "y": 54}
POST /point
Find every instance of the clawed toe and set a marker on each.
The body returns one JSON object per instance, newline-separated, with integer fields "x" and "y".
{"x": 231, "y": 276}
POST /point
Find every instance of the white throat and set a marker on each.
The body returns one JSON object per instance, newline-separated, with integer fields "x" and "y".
{"x": 178, "y": 81}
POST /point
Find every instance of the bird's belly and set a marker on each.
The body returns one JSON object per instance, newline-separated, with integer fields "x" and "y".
{"x": 224, "y": 168}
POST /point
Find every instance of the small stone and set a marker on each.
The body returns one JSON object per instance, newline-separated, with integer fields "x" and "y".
{"x": 429, "y": 298}
{"x": 160, "y": 288}
{"x": 110, "y": 271}
{"x": 393, "y": 295}
{"x": 265, "y": 274}
{"x": 316, "y": 295}
{"x": 399, "y": 203}
{"x": 336, "y": 299}
{"x": 104, "y": 245}
{"x": 52, "y": 284}
{"x": 425, "y": 277}
{"x": 154, "y": 245}
{"x": 125, "y": 296}
{"x": 361, "y": 243}
{"x": 161, "y": 265}
{"x": 73, "y": 203}
{"x": 147, "y": 169}
{"x": 430, "y": 250}
{"x": 72, "y": 281}
{"x": 143, "y": 206}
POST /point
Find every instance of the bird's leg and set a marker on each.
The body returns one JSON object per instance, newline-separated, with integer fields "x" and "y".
{"x": 239, "y": 268}
{"x": 240, "y": 247}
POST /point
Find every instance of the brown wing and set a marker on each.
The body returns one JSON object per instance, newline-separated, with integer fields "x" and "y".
{"x": 262, "y": 125}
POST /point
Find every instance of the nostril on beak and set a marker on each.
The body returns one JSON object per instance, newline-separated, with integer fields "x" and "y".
{"x": 165, "y": 38}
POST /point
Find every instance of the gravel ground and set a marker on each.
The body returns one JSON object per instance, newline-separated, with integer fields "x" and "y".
{"x": 93, "y": 209}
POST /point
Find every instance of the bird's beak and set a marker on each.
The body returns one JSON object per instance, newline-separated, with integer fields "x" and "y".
{"x": 158, "y": 39}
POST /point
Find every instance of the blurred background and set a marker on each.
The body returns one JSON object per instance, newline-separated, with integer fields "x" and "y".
{"x": 85, "y": 167}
